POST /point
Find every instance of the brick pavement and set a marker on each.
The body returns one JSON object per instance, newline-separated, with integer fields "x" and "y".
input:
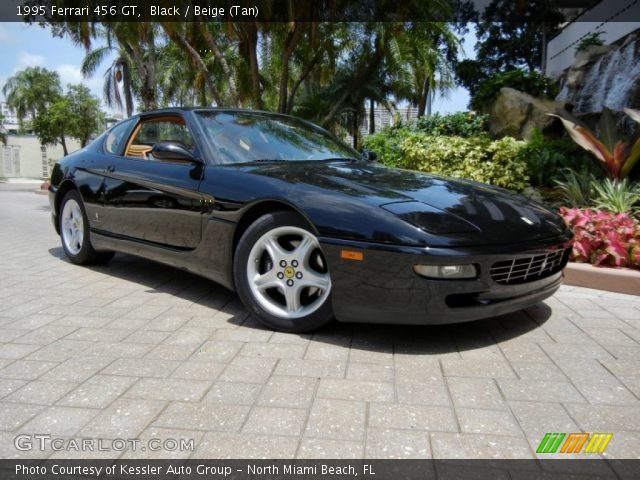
{"x": 139, "y": 350}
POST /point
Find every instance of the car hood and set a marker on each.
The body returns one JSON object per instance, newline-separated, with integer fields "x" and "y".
{"x": 437, "y": 205}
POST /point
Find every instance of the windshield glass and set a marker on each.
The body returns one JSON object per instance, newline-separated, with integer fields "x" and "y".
{"x": 242, "y": 137}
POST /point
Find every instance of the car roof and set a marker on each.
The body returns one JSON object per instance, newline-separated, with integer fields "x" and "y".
{"x": 212, "y": 109}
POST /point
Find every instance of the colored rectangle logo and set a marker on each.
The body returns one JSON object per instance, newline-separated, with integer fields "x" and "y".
{"x": 573, "y": 443}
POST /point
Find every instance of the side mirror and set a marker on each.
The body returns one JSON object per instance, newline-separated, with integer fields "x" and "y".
{"x": 369, "y": 156}
{"x": 172, "y": 151}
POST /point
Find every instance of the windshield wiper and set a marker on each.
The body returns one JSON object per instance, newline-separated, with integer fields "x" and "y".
{"x": 338, "y": 159}
{"x": 264, "y": 160}
{"x": 332, "y": 159}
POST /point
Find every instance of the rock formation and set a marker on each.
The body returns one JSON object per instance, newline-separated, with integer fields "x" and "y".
{"x": 516, "y": 114}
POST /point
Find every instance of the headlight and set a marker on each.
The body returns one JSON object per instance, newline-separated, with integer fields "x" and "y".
{"x": 446, "y": 272}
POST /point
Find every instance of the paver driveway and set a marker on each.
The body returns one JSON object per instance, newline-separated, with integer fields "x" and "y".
{"x": 138, "y": 350}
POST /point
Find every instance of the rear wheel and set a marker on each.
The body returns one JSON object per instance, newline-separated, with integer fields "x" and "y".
{"x": 281, "y": 274}
{"x": 74, "y": 232}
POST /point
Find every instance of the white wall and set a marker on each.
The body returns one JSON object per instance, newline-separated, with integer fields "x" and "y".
{"x": 608, "y": 17}
{"x": 23, "y": 158}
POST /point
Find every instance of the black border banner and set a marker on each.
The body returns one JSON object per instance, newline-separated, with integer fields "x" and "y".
{"x": 193, "y": 469}
{"x": 304, "y": 10}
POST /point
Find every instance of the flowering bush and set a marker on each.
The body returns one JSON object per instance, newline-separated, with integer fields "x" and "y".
{"x": 604, "y": 238}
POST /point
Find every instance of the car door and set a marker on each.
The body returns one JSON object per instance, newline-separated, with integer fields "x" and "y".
{"x": 152, "y": 200}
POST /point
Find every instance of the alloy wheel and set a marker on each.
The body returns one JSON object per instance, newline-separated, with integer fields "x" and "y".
{"x": 72, "y": 224}
{"x": 287, "y": 272}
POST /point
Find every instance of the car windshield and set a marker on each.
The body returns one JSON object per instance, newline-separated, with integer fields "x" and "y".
{"x": 242, "y": 137}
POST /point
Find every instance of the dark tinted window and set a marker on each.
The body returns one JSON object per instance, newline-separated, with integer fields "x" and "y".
{"x": 246, "y": 137}
{"x": 174, "y": 131}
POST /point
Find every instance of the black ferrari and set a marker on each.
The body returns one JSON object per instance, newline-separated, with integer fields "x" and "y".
{"x": 303, "y": 227}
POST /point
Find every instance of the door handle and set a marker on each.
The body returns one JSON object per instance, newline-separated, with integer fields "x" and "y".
{"x": 111, "y": 168}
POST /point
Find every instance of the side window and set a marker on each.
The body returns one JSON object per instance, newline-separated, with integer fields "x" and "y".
{"x": 116, "y": 138}
{"x": 150, "y": 132}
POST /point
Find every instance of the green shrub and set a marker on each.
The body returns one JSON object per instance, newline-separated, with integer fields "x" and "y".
{"x": 548, "y": 158}
{"x": 387, "y": 144}
{"x": 588, "y": 40}
{"x": 461, "y": 124}
{"x": 533, "y": 83}
{"x": 479, "y": 158}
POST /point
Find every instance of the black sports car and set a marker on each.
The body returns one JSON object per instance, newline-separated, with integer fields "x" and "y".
{"x": 300, "y": 225}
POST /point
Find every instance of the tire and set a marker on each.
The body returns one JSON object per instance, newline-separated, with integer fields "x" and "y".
{"x": 74, "y": 232}
{"x": 281, "y": 274}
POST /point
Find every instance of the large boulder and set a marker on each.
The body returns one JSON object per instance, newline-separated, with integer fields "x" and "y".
{"x": 517, "y": 114}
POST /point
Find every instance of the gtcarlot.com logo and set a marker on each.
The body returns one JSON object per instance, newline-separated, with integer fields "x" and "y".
{"x": 43, "y": 442}
{"x": 574, "y": 442}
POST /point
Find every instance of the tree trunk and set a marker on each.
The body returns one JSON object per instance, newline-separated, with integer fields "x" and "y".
{"x": 224, "y": 65}
{"x": 543, "y": 60}
{"x": 146, "y": 67}
{"x": 354, "y": 129}
{"x": 357, "y": 81}
{"x": 127, "y": 89}
{"x": 151, "y": 70}
{"x": 424, "y": 95}
{"x": 63, "y": 142}
{"x": 372, "y": 117}
{"x": 197, "y": 60}
{"x": 291, "y": 42}
{"x": 305, "y": 73}
{"x": 252, "y": 44}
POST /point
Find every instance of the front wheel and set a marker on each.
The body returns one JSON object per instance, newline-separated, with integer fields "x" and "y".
{"x": 281, "y": 274}
{"x": 74, "y": 232}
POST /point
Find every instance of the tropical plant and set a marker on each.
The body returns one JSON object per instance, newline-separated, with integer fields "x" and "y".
{"x": 575, "y": 189}
{"x": 118, "y": 77}
{"x": 603, "y": 238}
{"x": 421, "y": 62}
{"x": 549, "y": 158}
{"x": 323, "y": 70}
{"x": 30, "y": 91}
{"x": 461, "y": 124}
{"x": 533, "y": 83}
{"x": 617, "y": 156}
{"x": 617, "y": 196}
{"x": 589, "y": 40}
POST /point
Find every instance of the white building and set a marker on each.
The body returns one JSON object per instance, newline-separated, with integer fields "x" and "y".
{"x": 23, "y": 156}
{"x": 612, "y": 18}
{"x": 385, "y": 118}
{"x": 10, "y": 120}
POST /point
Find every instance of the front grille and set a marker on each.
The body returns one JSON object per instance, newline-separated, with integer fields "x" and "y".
{"x": 529, "y": 268}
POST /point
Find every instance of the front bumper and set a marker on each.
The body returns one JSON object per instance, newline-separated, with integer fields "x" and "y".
{"x": 383, "y": 288}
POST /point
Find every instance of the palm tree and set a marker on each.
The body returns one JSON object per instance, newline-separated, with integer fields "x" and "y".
{"x": 30, "y": 91}
{"x": 421, "y": 60}
{"x": 118, "y": 76}
{"x": 135, "y": 63}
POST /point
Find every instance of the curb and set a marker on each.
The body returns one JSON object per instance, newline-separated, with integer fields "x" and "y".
{"x": 619, "y": 280}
